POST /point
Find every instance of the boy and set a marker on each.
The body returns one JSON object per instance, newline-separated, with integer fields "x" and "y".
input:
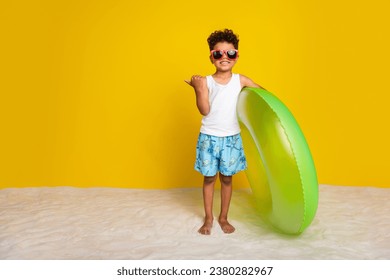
{"x": 219, "y": 148}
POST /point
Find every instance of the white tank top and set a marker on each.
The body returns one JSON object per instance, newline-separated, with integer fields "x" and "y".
{"x": 222, "y": 118}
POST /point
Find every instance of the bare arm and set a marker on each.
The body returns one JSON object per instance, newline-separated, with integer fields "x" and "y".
{"x": 202, "y": 93}
{"x": 247, "y": 82}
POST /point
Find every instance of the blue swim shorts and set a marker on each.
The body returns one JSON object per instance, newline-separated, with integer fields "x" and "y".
{"x": 223, "y": 154}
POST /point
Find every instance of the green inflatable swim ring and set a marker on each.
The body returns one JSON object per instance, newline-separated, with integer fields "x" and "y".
{"x": 281, "y": 170}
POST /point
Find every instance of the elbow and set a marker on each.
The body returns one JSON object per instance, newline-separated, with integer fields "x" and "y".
{"x": 204, "y": 111}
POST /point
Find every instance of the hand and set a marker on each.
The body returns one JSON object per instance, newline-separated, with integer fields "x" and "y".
{"x": 197, "y": 81}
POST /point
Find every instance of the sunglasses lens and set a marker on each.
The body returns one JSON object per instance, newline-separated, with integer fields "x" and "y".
{"x": 217, "y": 54}
{"x": 232, "y": 54}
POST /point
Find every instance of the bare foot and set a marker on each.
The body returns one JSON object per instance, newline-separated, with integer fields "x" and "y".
{"x": 225, "y": 226}
{"x": 206, "y": 228}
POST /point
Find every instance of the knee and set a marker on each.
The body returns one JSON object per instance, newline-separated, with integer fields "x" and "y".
{"x": 209, "y": 179}
{"x": 225, "y": 180}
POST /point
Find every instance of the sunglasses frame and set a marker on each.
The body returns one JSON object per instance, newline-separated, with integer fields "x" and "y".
{"x": 224, "y": 52}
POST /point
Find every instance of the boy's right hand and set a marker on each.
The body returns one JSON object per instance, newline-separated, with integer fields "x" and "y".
{"x": 197, "y": 81}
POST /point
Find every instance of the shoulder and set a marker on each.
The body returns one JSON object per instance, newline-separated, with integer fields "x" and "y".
{"x": 247, "y": 82}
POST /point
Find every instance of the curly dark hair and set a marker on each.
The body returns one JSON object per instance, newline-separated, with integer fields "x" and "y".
{"x": 225, "y": 35}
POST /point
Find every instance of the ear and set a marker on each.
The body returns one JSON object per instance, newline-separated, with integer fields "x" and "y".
{"x": 211, "y": 59}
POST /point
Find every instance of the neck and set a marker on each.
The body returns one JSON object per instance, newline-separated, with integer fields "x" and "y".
{"x": 223, "y": 75}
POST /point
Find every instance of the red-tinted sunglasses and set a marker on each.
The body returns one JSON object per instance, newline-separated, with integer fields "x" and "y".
{"x": 218, "y": 54}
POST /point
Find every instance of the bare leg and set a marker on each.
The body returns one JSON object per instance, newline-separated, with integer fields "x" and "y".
{"x": 226, "y": 194}
{"x": 208, "y": 196}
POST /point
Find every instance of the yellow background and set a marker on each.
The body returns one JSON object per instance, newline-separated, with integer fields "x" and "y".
{"x": 92, "y": 92}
